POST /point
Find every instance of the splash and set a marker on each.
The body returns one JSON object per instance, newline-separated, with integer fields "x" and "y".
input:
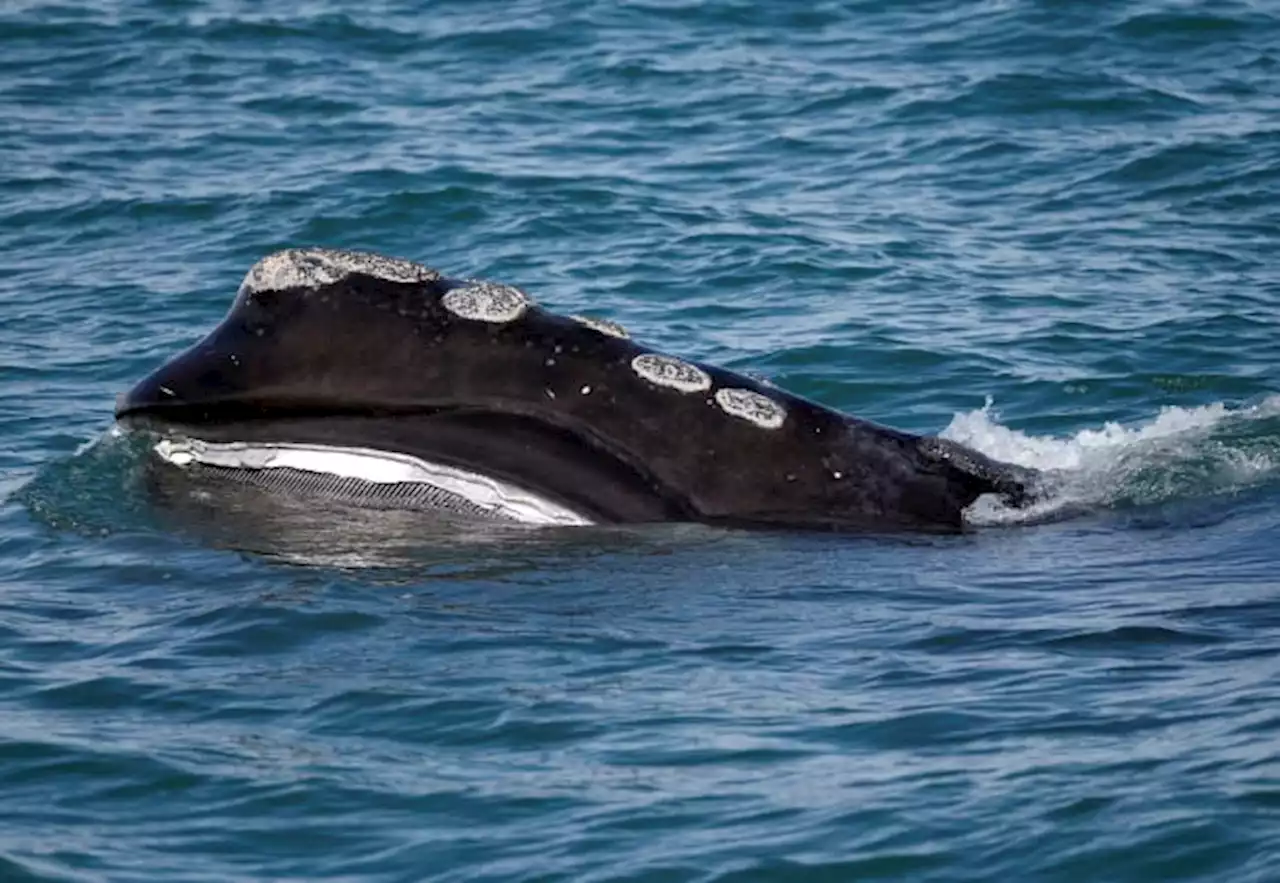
{"x": 1182, "y": 452}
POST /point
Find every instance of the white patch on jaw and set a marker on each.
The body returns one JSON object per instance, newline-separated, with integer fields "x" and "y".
{"x": 318, "y": 267}
{"x": 752, "y": 407}
{"x": 380, "y": 467}
{"x": 604, "y": 326}
{"x": 671, "y": 373}
{"x": 486, "y": 302}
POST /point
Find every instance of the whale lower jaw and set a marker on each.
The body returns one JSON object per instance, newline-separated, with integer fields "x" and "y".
{"x": 367, "y": 476}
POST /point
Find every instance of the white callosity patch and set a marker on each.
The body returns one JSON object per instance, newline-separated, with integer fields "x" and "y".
{"x": 381, "y": 467}
{"x": 317, "y": 267}
{"x": 751, "y": 406}
{"x": 671, "y": 373}
{"x": 604, "y": 326}
{"x": 486, "y": 302}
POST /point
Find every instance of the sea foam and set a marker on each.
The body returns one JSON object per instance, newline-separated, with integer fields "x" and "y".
{"x": 1208, "y": 449}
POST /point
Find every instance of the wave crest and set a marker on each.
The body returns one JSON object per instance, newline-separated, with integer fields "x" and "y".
{"x": 1181, "y": 452}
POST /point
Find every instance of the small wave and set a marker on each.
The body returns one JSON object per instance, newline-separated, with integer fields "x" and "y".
{"x": 1182, "y": 452}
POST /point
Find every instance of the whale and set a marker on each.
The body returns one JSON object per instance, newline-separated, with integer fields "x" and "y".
{"x": 380, "y": 381}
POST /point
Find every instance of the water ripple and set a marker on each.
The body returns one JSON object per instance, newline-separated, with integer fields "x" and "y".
{"x": 1044, "y": 229}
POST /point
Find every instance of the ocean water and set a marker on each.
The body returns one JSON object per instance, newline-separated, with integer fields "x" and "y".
{"x": 1046, "y": 229}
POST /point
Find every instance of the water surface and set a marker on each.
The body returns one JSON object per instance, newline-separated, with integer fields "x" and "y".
{"x": 1044, "y": 229}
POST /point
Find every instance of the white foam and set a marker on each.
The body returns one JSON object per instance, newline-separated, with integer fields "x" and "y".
{"x": 1095, "y": 467}
{"x": 317, "y": 267}
{"x": 382, "y": 467}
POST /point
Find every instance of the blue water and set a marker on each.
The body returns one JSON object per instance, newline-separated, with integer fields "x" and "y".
{"x": 1046, "y": 229}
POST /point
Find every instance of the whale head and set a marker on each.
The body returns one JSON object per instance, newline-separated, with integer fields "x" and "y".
{"x": 393, "y": 381}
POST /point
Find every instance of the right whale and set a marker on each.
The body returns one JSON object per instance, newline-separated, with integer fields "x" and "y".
{"x": 350, "y": 373}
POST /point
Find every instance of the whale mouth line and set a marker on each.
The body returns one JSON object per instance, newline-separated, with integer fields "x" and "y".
{"x": 370, "y": 476}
